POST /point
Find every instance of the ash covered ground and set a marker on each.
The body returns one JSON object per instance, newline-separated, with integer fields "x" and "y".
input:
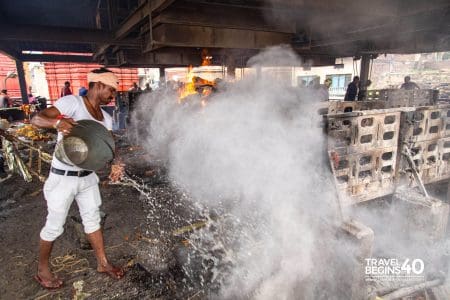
{"x": 172, "y": 247}
{"x": 136, "y": 228}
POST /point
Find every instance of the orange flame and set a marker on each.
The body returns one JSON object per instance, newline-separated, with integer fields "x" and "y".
{"x": 206, "y": 58}
{"x": 191, "y": 85}
{"x": 188, "y": 87}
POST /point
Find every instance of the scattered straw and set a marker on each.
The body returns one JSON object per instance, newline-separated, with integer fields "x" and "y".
{"x": 35, "y": 193}
{"x": 69, "y": 264}
{"x": 115, "y": 246}
{"x": 46, "y": 295}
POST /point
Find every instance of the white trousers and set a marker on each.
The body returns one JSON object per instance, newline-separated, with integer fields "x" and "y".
{"x": 60, "y": 191}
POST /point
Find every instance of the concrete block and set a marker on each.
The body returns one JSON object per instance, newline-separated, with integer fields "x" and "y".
{"x": 364, "y": 130}
{"x": 365, "y": 175}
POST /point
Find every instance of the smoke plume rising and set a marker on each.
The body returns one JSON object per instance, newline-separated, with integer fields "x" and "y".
{"x": 255, "y": 151}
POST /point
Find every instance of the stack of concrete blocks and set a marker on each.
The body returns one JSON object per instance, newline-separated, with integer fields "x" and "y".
{"x": 426, "y": 132}
{"x": 396, "y": 98}
{"x": 424, "y": 97}
{"x": 363, "y": 148}
{"x": 343, "y": 106}
{"x": 335, "y": 107}
{"x": 444, "y": 144}
{"x": 393, "y": 98}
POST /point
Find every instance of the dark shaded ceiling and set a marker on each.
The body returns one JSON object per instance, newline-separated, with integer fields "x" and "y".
{"x": 174, "y": 32}
{"x": 80, "y": 13}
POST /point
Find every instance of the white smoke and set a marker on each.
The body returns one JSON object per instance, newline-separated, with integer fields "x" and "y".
{"x": 256, "y": 148}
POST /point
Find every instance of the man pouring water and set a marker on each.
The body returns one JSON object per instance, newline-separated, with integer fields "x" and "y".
{"x": 70, "y": 182}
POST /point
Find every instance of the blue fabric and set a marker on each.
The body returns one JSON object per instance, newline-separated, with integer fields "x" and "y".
{"x": 82, "y": 91}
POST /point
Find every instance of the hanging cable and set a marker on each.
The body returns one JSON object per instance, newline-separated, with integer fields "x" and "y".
{"x": 370, "y": 68}
{"x": 353, "y": 67}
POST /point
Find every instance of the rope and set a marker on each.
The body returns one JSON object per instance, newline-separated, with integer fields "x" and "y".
{"x": 67, "y": 262}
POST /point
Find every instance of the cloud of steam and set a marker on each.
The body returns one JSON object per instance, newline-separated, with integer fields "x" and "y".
{"x": 256, "y": 149}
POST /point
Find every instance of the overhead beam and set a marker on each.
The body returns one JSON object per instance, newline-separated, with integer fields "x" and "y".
{"x": 133, "y": 20}
{"x": 209, "y": 37}
{"x": 140, "y": 14}
{"x": 216, "y": 16}
{"x": 18, "y": 32}
{"x": 156, "y": 6}
{"x": 182, "y": 57}
{"x": 393, "y": 30}
{"x": 10, "y": 52}
{"x": 319, "y": 60}
{"x": 424, "y": 43}
{"x": 57, "y": 58}
{"x": 101, "y": 50}
{"x": 162, "y": 58}
{"x": 368, "y": 7}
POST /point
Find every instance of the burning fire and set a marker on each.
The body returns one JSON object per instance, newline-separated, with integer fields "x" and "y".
{"x": 206, "y": 58}
{"x": 192, "y": 85}
{"x": 188, "y": 88}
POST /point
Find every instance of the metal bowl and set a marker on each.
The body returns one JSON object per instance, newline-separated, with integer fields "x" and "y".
{"x": 89, "y": 146}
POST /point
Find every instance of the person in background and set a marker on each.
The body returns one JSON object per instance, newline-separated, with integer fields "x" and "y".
{"x": 67, "y": 183}
{"x": 352, "y": 90}
{"x": 5, "y": 101}
{"x": 82, "y": 91}
{"x": 409, "y": 85}
{"x": 135, "y": 88}
{"x": 148, "y": 88}
{"x": 66, "y": 89}
{"x": 31, "y": 99}
{"x": 324, "y": 88}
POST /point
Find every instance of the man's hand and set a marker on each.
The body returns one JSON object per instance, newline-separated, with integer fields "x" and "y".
{"x": 117, "y": 172}
{"x": 65, "y": 125}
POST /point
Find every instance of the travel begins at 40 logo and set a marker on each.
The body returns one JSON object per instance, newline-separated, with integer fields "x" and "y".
{"x": 390, "y": 269}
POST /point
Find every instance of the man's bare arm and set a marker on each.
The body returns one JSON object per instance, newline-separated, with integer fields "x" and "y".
{"x": 46, "y": 118}
{"x": 50, "y": 118}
